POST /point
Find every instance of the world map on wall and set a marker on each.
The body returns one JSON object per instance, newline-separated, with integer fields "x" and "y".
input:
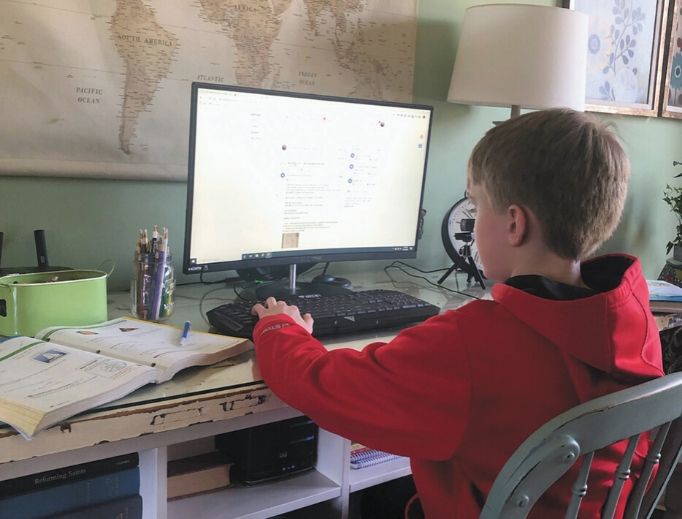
{"x": 102, "y": 89}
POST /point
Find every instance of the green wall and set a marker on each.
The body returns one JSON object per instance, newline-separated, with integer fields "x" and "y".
{"x": 94, "y": 223}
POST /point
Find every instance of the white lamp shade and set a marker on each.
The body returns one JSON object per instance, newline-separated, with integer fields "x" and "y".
{"x": 521, "y": 55}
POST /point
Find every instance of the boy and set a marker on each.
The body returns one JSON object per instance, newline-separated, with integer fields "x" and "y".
{"x": 459, "y": 392}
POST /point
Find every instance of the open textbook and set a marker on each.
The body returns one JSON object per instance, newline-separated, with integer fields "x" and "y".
{"x": 66, "y": 370}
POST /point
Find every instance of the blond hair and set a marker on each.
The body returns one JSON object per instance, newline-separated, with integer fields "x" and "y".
{"x": 567, "y": 167}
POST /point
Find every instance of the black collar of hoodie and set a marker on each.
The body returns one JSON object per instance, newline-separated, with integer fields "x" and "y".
{"x": 600, "y": 275}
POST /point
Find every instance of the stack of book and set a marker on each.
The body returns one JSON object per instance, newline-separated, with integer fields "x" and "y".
{"x": 102, "y": 488}
{"x": 664, "y": 297}
{"x": 197, "y": 474}
{"x": 361, "y": 456}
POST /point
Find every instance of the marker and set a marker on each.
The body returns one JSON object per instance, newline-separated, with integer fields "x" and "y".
{"x": 185, "y": 332}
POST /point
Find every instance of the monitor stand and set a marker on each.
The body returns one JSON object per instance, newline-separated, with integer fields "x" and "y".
{"x": 288, "y": 287}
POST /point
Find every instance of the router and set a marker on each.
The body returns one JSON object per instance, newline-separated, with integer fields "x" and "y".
{"x": 41, "y": 254}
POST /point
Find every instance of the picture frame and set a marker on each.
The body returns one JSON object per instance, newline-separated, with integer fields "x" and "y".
{"x": 625, "y": 48}
{"x": 671, "y": 102}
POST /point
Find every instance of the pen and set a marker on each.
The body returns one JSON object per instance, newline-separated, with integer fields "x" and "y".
{"x": 185, "y": 332}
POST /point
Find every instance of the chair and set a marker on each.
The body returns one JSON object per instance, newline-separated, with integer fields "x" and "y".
{"x": 550, "y": 452}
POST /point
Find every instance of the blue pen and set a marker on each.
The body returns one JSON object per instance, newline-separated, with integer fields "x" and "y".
{"x": 185, "y": 332}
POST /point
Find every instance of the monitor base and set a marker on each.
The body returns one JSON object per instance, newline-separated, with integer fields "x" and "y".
{"x": 332, "y": 280}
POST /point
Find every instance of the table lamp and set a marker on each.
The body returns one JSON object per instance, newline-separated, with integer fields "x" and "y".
{"x": 521, "y": 56}
{"x": 516, "y": 55}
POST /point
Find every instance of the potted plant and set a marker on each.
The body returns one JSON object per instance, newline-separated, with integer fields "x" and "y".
{"x": 673, "y": 197}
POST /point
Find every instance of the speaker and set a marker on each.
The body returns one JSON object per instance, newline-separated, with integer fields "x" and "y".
{"x": 270, "y": 451}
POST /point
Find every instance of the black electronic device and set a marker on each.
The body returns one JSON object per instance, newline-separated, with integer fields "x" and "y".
{"x": 285, "y": 178}
{"x": 43, "y": 265}
{"x": 270, "y": 451}
{"x": 346, "y": 312}
{"x": 459, "y": 241}
{"x": 274, "y": 273}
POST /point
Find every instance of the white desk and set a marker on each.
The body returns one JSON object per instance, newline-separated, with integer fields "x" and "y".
{"x": 200, "y": 403}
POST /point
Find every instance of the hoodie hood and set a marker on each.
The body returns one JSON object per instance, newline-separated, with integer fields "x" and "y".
{"x": 610, "y": 329}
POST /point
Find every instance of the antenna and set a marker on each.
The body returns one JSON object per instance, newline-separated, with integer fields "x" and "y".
{"x": 41, "y": 254}
{"x": 41, "y": 249}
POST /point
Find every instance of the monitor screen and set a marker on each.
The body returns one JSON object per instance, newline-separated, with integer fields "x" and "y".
{"x": 279, "y": 178}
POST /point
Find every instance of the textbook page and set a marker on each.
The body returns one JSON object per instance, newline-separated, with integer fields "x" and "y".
{"x": 44, "y": 383}
{"x": 153, "y": 344}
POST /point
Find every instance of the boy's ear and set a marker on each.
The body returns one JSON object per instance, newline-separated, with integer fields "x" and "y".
{"x": 517, "y": 225}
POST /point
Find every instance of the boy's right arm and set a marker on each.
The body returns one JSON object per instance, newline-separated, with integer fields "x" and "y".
{"x": 409, "y": 396}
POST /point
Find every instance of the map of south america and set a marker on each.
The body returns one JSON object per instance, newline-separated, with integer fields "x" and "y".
{"x": 147, "y": 50}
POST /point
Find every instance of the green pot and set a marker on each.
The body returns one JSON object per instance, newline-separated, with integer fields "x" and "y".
{"x": 31, "y": 302}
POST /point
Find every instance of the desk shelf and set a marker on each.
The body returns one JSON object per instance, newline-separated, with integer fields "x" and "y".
{"x": 258, "y": 501}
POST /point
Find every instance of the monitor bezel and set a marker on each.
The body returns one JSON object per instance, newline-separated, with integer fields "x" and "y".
{"x": 326, "y": 255}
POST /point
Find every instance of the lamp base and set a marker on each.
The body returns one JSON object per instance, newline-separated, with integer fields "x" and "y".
{"x": 672, "y": 272}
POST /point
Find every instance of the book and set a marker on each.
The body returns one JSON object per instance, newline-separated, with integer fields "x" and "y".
{"x": 197, "y": 474}
{"x": 66, "y": 370}
{"x": 664, "y": 297}
{"x": 660, "y": 290}
{"x": 361, "y": 456}
{"x": 72, "y": 496}
{"x": 123, "y": 508}
{"x": 667, "y": 307}
{"x": 62, "y": 475}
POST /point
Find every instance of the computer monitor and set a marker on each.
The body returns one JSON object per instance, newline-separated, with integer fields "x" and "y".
{"x": 281, "y": 178}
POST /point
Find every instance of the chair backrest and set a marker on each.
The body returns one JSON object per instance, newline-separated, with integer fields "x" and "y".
{"x": 654, "y": 406}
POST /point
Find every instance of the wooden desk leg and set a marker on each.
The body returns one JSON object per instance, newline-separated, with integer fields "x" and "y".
{"x": 673, "y": 496}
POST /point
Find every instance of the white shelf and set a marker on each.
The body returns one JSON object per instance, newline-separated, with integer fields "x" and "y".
{"x": 258, "y": 501}
{"x": 380, "y": 473}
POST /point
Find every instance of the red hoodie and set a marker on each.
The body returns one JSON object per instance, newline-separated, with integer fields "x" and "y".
{"x": 459, "y": 392}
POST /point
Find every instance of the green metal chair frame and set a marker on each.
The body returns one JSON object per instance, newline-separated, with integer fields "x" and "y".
{"x": 654, "y": 406}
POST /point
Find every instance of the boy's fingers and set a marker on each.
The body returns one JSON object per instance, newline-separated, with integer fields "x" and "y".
{"x": 257, "y": 309}
{"x": 270, "y": 302}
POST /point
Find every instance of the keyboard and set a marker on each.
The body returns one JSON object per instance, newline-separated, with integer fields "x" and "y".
{"x": 333, "y": 314}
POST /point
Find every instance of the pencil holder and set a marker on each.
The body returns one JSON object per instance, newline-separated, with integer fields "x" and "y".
{"x": 152, "y": 287}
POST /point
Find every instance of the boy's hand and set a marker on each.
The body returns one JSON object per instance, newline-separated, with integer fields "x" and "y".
{"x": 274, "y": 307}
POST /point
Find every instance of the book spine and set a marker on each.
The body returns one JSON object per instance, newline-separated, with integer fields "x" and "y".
{"x": 125, "y": 508}
{"x": 63, "y": 475}
{"x": 71, "y": 496}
